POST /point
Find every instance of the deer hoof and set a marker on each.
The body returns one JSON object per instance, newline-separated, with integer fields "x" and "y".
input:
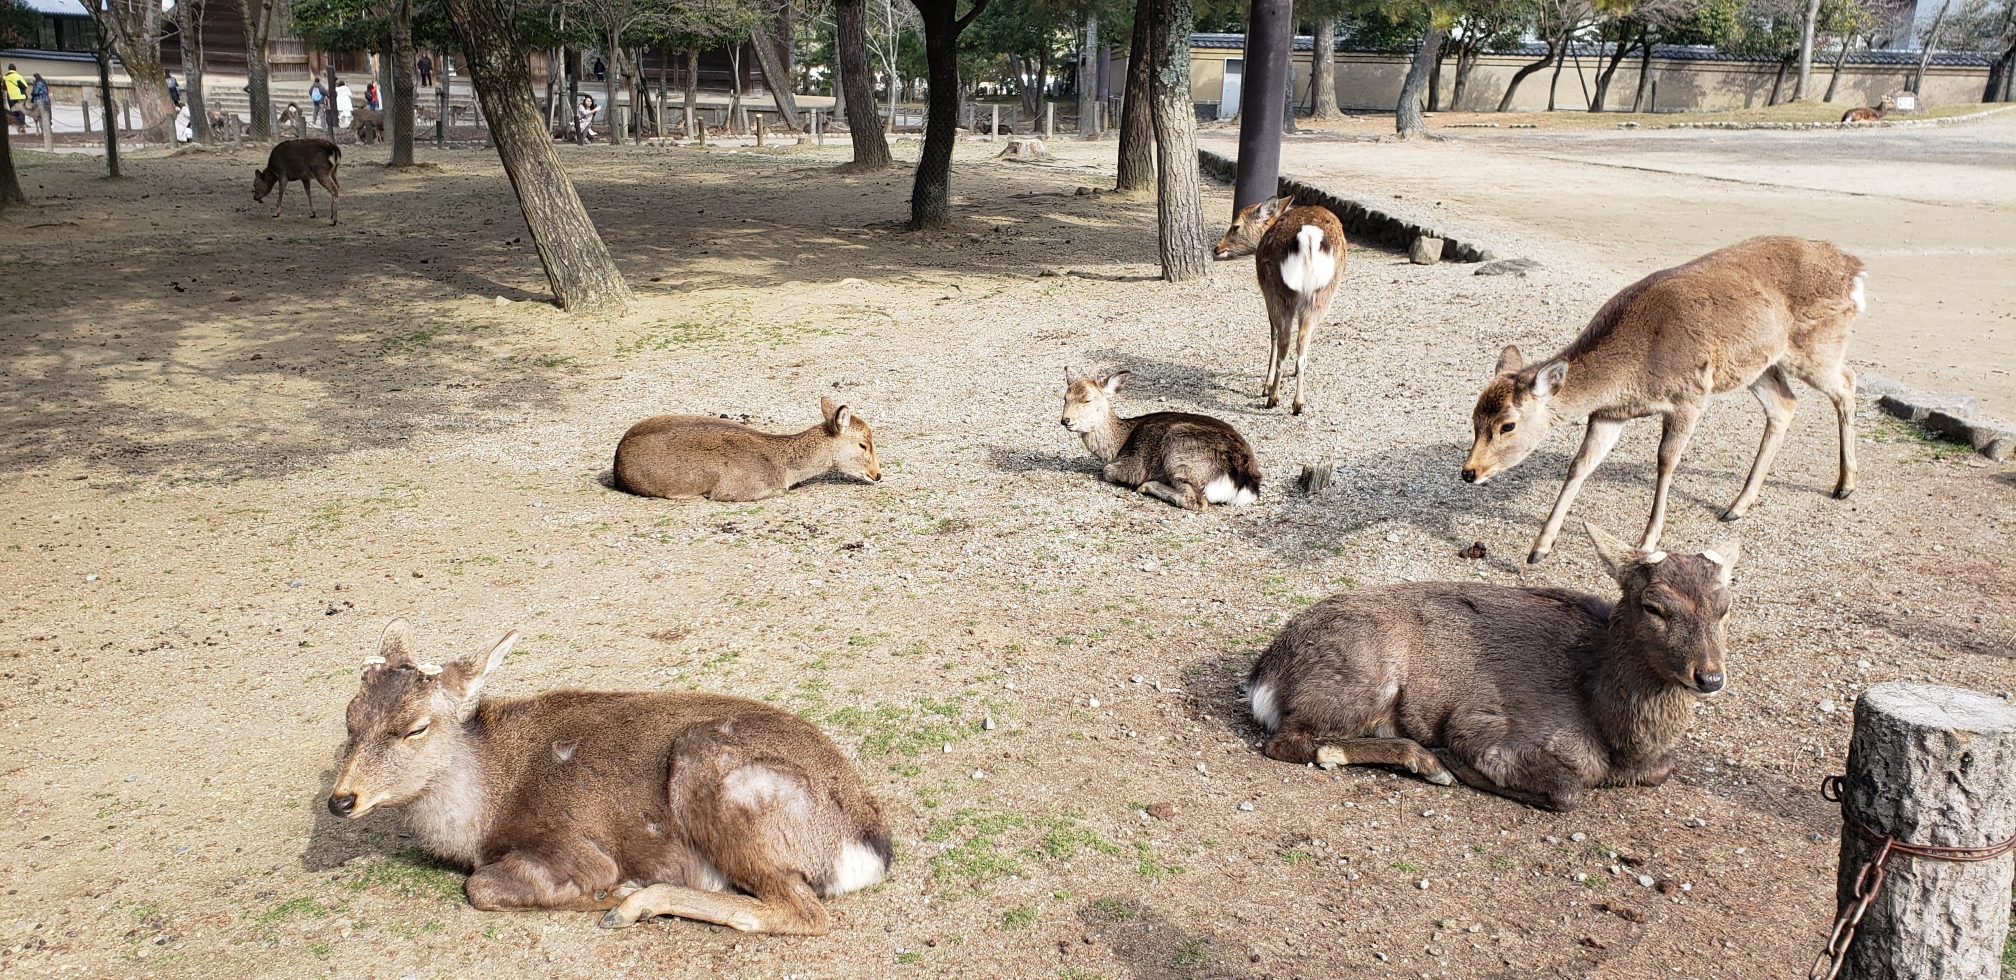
{"x": 1441, "y": 777}
{"x": 615, "y": 919}
{"x": 1732, "y": 516}
{"x": 1536, "y": 557}
{"x": 1843, "y": 493}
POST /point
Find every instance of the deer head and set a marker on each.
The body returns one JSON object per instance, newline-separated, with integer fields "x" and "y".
{"x": 406, "y": 722}
{"x": 1512, "y": 415}
{"x": 1249, "y": 226}
{"x": 1086, "y": 401}
{"x": 1673, "y": 608}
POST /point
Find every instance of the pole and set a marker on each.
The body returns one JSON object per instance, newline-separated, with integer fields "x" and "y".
{"x": 818, "y": 128}
{"x": 759, "y": 127}
{"x": 329, "y": 100}
{"x": 1049, "y": 120}
{"x": 994, "y": 128}
{"x": 1269, "y": 40}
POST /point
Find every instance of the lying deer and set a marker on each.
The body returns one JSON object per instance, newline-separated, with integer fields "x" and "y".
{"x": 1755, "y": 314}
{"x": 1184, "y": 459}
{"x": 1299, "y": 254}
{"x": 1534, "y": 694}
{"x": 300, "y": 160}
{"x": 698, "y": 456}
{"x": 1864, "y": 113}
{"x": 702, "y": 806}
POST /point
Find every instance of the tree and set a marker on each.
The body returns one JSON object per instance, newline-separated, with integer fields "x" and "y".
{"x": 1407, "y": 119}
{"x": 1137, "y": 112}
{"x": 189, "y": 23}
{"x": 931, "y": 191}
{"x": 19, "y": 25}
{"x": 1179, "y": 200}
{"x": 864, "y": 125}
{"x": 258, "y": 16}
{"x": 1930, "y": 44}
{"x": 765, "y": 36}
{"x": 401, "y": 117}
{"x": 583, "y": 276}
{"x": 133, "y": 29}
{"x": 1323, "y": 58}
{"x": 1088, "y": 74}
{"x": 1483, "y": 25}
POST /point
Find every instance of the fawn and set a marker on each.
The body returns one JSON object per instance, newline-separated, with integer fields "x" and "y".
{"x": 1183, "y": 459}
{"x": 698, "y": 456}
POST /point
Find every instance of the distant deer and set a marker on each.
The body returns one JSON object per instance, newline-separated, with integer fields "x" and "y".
{"x": 300, "y": 160}
{"x": 1534, "y": 694}
{"x": 702, "y": 806}
{"x": 1754, "y": 314}
{"x": 699, "y": 456}
{"x": 1299, "y": 255}
{"x": 1865, "y": 113}
{"x": 1183, "y": 459}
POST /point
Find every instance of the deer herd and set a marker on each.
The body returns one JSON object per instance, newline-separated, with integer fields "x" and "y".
{"x": 725, "y": 810}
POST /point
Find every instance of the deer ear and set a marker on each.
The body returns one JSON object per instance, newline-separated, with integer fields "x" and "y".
{"x": 841, "y": 419}
{"x": 1509, "y": 359}
{"x": 469, "y": 679}
{"x": 1726, "y": 553}
{"x": 1617, "y": 557}
{"x": 827, "y": 407}
{"x": 1549, "y": 379}
{"x": 396, "y": 643}
{"x": 1071, "y": 375}
{"x": 1116, "y": 381}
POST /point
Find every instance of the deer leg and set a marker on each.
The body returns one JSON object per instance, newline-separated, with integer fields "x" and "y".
{"x": 329, "y": 184}
{"x": 1557, "y": 788}
{"x": 280, "y": 200}
{"x": 579, "y": 879}
{"x": 1774, "y": 392}
{"x": 788, "y": 907}
{"x": 1386, "y": 752}
{"x": 309, "y": 189}
{"x": 1185, "y": 494}
{"x": 1672, "y": 442}
{"x": 1840, "y": 390}
{"x": 1304, "y": 336}
{"x": 1597, "y": 441}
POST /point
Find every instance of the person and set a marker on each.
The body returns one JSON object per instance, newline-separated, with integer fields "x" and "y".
{"x": 183, "y": 132}
{"x": 426, "y": 67}
{"x": 371, "y": 96}
{"x": 601, "y": 71}
{"x": 38, "y": 101}
{"x": 344, "y": 106}
{"x": 17, "y": 97}
{"x": 315, "y": 101}
{"x": 584, "y": 120}
{"x": 174, "y": 91}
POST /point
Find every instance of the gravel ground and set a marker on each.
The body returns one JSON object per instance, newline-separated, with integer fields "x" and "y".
{"x": 235, "y": 447}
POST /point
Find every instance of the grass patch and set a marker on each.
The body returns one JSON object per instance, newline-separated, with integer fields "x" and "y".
{"x": 1150, "y": 865}
{"x": 1021, "y": 918}
{"x": 413, "y": 873}
{"x": 1114, "y": 909}
{"x": 1189, "y": 952}
{"x": 1297, "y": 856}
{"x": 976, "y": 849}
{"x": 1406, "y": 866}
{"x": 910, "y": 730}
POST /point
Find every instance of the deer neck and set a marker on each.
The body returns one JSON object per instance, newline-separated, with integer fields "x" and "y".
{"x": 1639, "y": 714}
{"x": 1106, "y": 440}
{"x": 1590, "y": 387}
{"x": 806, "y": 455}
{"x": 453, "y": 815}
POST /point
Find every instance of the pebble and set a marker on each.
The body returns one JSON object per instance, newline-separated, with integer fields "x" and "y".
{"x": 1826, "y": 707}
{"x": 988, "y": 724}
{"x": 1247, "y": 806}
{"x": 1422, "y": 884}
{"x": 977, "y": 774}
{"x": 90, "y": 578}
{"x": 295, "y": 583}
{"x": 1550, "y": 840}
{"x": 1138, "y": 678}
{"x": 1200, "y": 767}
{"x": 1392, "y": 538}
{"x": 1696, "y": 822}
{"x": 815, "y": 582}
{"x": 1580, "y": 876}
{"x": 1862, "y": 665}
{"x": 1427, "y": 813}
{"x": 131, "y": 776}
{"x": 1578, "y": 838}
{"x": 1644, "y": 881}
{"x": 1474, "y": 929}
{"x": 1092, "y": 702}
{"x": 948, "y": 746}
{"x": 1381, "y": 957}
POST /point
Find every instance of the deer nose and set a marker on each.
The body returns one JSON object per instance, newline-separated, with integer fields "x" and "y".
{"x": 1064, "y": 422}
{"x": 1469, "y": 474}
{"x": 1708, "y": 681}
{"x": 341, "y": 804}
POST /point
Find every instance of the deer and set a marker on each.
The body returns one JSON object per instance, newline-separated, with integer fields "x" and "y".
{"x": 635, "y": 804}
{"x": 1754, "y": 314}
{"x": 1863, "y": 113}
{"x": 1187, "y": 460}
{"x": 301, "y": 160}
{"x": 1299, "y": 255}
{"x": 1534, "y": 694}
{"x": 684, "y": 456}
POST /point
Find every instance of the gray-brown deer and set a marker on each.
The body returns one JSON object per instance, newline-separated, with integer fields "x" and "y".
{"x": 1535, "y": 694}
{"x": 302, "y": 160}
{"x": 1299, "y": 255}
{"x": 702, "y": 806}
{"x": 698, "y": 456}
{"x": 1755, "y": 314}
{"x": 1177, "y": 457}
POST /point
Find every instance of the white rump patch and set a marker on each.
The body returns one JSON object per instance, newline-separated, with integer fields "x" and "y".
{"x": 1265, "y": 711}
{"x": 709, "y": 877}
{"x": 1308, "y": 268}
{"x": 857, "y": 867}
{"x": 1246, "y": 496}
{"x": 1220, "y": 490}
{"x": 1855, "y": 294}
{"x": 765, "y": 790}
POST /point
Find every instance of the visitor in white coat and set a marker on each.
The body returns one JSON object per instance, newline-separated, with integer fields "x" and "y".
{"x": 344, "y": 104}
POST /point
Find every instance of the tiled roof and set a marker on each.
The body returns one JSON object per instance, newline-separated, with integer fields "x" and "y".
{"x": 1671, "y": 52}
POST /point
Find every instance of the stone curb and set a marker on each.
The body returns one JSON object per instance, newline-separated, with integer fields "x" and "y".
{"x": 1944, "y": 414}
{"x": 1877, "y": 124}
{"x": 1362, "y": 222}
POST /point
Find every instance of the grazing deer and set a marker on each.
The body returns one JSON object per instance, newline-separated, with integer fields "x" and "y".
{"x": 698, "y": 456}
{"x": 292, "y": 118}
{"x": 1755, "y": 314}
{"x": 1299, "y": 254}
{"x": 1865, "y": 113}
{"x": 702, "y": 806}
{"x": 1535, "y": 694}
{"x": 1184, "y": 459}
{"x": 300, "y": 160}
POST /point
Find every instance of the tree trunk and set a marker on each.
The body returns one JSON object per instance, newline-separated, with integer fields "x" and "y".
{"x": 1642, "y": 101}
{"x": 693, "y": 84}
{"x": 399, "y": 121}
{"x": 134, "y": 27}
{"x": 776, "y": 75}
{"x": 1835, "y": 81}
{"x": 1323, "y": 71}
{"x": 1435, "y": 79}
{"x": 1407, "y": 116}
{"x": 735, "y": 88}
{"x": 583, "y": 276}
{"x": 931, "y": 191}
{"x": 1179, "y": 200}
{"x": 1466, "y": 62}
{"x": 1137, "y": 115}
{"x": 189, "y": 22}
{"x": 1624, "y": 45}
{"x": 258, "y": 18}
{"x": 1512, "y": 87}
{"x": 1998, "y": 76}
{"x": 1804, "y": 83}
{"x": 838, "y": 77}
{"x": 1560, "y": 61}
{"x": 614, "y": 71}
{"x": 1778, "y": 81}
{"x": 103, "y": 52}
{"x": 1088, "y": 80}
{"x": 1931, "y": 43}
{"x": 864, "y": 123}
{"x": 10, "y": 182}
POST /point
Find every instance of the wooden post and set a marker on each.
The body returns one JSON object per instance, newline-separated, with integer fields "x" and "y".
{"x": 818, "y": 128}
{"x": 759, "y": 126}
{"x": 1049, "y": 120}
{"x": 44, "y": 111}
{"x": 994, "y": 128}
{"x": 1929, "y": 765}
{"x": 86, "y": 106}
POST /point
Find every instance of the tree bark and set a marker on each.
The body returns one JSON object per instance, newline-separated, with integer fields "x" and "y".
{"x": 399, "y": 121}
{"x": 1778, "y": 81}
{"x": 864, "y": 123}
{"x": 1137, "y": 115}
{"x": 1929, "y": 765}
{"x": 102, "y": 51}
{"x": 1625, "y": 42}
{"x": 776, "y": 76}
{"x": 1998, "y": 76}
{"x": 10, "y": 182}
{"x": 258, "y": 90}
{"x": 583, "y": 276}
{"x": 1512, "y": 87}
{"x": 1407, "y": 115}
{"x": 1560, "y": 62}
{"x": 838, "y": 77}
{"x": 1804, "y": 83}
{"x": 1435, "y": 79}
{"x": 1642, "y": 100}
{"x": 1931, "y": 43}
{"x": 1179, "y": 200}
{"x": 1323, "y": 71}
{"x": 931, "y": 191}
{"x": 134, "y": 27}
{"x": 1088, "y": 80}
{"x": 1835, "y": 81}
{"x": 1466, "y": 62}
{"x": 611, "y": 78}
{"x": 189, "y": 22}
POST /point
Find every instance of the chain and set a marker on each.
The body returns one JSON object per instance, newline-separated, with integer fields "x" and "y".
{"x": 1869, "y": 880}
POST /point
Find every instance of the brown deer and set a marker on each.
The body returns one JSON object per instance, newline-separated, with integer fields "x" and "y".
{"x": 300, "y": 160}
{"x": 1533, "y": 694}
{"x": 1755, "y": 314}
{"x": 1299, "y": 254}
{"x": 1863, "y": 113}
{"x": 702, "y": 806}
{"x": 1183, "y": 459}
{"x": 698, "y": 456}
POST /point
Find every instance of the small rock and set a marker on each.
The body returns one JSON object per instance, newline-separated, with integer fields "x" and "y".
{"x": 1427, "y": 813}
{"x": 1473, "y": 552}
{"x": 1138, "y": 678}
{"x": 1826, "y": 707}
{"x": 988, "y": 723}
{"x": 1918, "y": 406}
{"x": 90, "y": 578}
{"x": 131, "y": 776}
{"x": 1422, "y": 884}
{"x": 1200, "y": 767}
{"x": 1381, "y": 957}
{"x": 1247, "y": 806}
{"x": 1644, "y": 881}
{"x": 1392, "y": 538}
{"x": 1578, "y": 838}
{"x": 1507, "y": 267}
{"x": 1161, "y": 811}
{"x": 1425, "y": 250}
{"x": 1581, "y": 876}
{"x": 1092, "y": 702}
{"x": 1696, "y": 822}
{"x": 502, "y": 301}
{"x": 1474, "y": 929}
{"x": 1550, "y": 840}
{"x": 948, "y": 747}
{"x": 977, "y": 774}
{"x": 295, "y": 583}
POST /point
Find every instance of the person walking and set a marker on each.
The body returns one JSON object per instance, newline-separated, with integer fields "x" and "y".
{"x": 344, "y": 105}
{"x": 17, "y": 97}
{"x": 426, "y": 68}
{"x": 601, "y": 70}
{"x": 371, "y": 97}
{"x": 174, "y": 91}
{"x": 38, "y": 101}
{"x": 315, "y": 96}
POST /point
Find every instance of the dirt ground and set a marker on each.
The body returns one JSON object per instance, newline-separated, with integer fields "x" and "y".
{"x": 235, "y": 447}
{"x": 1930, "y": 209}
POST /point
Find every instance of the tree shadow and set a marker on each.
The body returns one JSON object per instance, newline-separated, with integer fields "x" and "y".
{"x": 1014, "y": 459}
{"x": 1156, "y": 948}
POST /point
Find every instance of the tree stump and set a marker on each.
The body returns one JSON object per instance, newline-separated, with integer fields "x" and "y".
{"x": 1929, "y": 765}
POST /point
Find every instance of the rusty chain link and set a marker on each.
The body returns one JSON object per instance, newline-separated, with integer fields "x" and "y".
{"x": 1869, "y": 880}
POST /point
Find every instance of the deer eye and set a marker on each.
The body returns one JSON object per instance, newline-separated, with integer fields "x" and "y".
{"x": 417, "y": 732}
{"x": 1507, "y": 427}
{"x": 1655, "y": 610}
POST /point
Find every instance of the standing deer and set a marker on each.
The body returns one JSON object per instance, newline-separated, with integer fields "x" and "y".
{"x": 1299, "y": 255}
{"x": 1176, "y": 457}
{"x": 702, "y": 806}
{"x": 301, "y": 160}
{"x": 1534, "y": 694}
{"x": 698, "y": 456}
{"x": 1754, "y": 314}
